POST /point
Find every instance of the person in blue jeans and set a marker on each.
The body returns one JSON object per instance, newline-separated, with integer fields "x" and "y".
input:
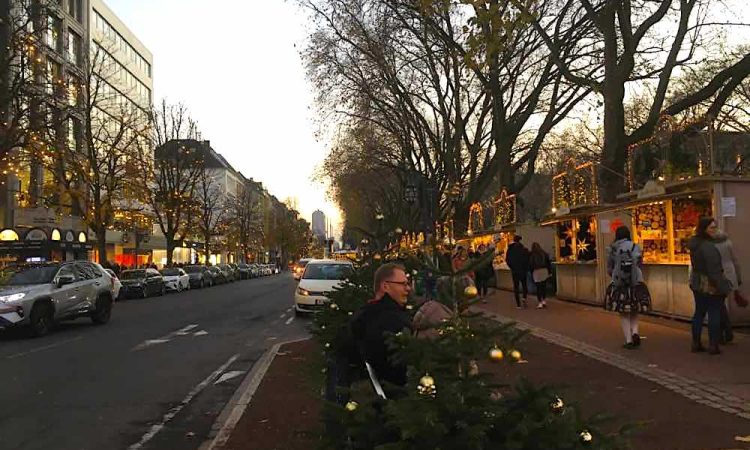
{"x": 708, "y": 283}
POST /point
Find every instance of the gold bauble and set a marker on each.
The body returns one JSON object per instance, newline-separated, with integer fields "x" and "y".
{"x": 557, "y": 404}
{"x": 516, "y": 355}
{"x": 471, "y": 291}
{"x": 496, "y": 354}
{"x": 586, "y": 437}
{"x": 427, "y": 381}
{"x": 352, "y": 406}
{"x": 333, "y": 306}
{"x": 376, "y": 257}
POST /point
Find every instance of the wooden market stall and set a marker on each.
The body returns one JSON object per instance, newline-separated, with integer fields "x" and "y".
{"x": 575, "y": 200}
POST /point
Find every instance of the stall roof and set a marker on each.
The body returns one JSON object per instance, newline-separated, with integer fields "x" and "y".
{"x": 573, "y": 214}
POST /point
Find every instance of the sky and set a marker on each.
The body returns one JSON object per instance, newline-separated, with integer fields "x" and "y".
{"x": 235, "y": 64}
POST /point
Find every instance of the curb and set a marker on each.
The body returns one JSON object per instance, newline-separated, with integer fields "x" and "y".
{"x": 222, "y": 429}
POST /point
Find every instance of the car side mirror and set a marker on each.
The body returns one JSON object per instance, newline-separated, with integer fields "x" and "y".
{"x": 62, "y": 280}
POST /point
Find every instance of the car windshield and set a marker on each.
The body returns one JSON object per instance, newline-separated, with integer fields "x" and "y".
{"x": 170, "y": 272}
{"x": 20, "y": 275}
{"x": 327, "y": 271}
{"x": 133, "y": 274}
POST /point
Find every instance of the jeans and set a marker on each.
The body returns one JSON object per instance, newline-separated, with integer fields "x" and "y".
{"x": 541, "y": 290}
{"x": 482, "y": 285}
{"x": 711, "y": 305}
{"x": 519, "y": 282}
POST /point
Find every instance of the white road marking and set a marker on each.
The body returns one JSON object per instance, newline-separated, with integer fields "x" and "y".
{"x": 174, "y": 411}
{"x": 46, "y": 347}
{"x": 289, "y": 320}
{"x": 282, "y": 316}
{"x": 200, "y": 333}
{"x": 289, "y": 309}
{"x": 184, "y": 331}
{"x": 229, "y": 375}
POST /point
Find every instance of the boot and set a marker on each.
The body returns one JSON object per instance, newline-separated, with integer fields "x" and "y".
{"x": 713, "y": 349}
{"x": 697, "y": 347}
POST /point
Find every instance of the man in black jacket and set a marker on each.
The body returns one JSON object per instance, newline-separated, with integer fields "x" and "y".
{"x": 380, "y": 317}
{"x": 517, "y": 257}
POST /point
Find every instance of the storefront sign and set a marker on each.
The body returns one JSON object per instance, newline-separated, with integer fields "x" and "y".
{"x": 728, "y": 207}
{"x": 34, "y": 217}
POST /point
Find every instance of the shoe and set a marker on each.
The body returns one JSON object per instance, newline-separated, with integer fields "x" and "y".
{"x": 540, "y": 305}
{"x": 525, "y": 303}
{"x": 544, "y": 304}
{"x": 714, "y": 350}
{"x": 629, "y": 346}
{"x": 728, "y": 337}
{"x": 636, "y": 340}
{"x": 697, "y": 347}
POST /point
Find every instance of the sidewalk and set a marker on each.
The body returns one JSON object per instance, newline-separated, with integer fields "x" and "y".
{"x": 722, "y": 381}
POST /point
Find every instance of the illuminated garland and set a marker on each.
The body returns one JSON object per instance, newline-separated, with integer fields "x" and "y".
{"x": 577, "y": 186}
{"x": 505, "y": 208}
{"x": 475, "y": 210}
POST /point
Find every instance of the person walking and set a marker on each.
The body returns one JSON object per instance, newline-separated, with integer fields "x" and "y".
{"x": 732, "y": 273}
{"x": 484, "y": 273}
{"x": 540, "y": 266}
{"x": 517, "y": 258}
{"x": 626, "y": 294}
{"x": 709, "y": 284}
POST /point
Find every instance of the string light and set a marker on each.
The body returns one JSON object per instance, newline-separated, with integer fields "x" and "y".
{"x": 505, "y": 207}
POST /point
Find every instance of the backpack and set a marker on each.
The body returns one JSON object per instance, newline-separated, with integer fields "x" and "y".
{"x": 625, "y": 274}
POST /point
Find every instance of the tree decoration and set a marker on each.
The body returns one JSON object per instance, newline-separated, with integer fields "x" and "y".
{"x": 496, "y": 354}
{"x": 576, "y": 186}
{"x": 557, "y": 404}
{"x": 471, "y": 291}
{"x": 516, "y": 355}
{"x": 351, "y": 406}
{"x": 586, "y": 437}
{"x": 427, "y": 386}
{"x": 505, "y": 209}
{"x": 476, "y": 218}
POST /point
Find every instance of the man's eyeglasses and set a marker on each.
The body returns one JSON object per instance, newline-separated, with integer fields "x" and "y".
{"x": 402, "y": 283}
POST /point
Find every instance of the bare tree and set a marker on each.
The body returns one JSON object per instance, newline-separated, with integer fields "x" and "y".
{"x": 245, "y": 220}
{"x": 212, "y": 204}
{"x": 172, "y": 164}
{"x": 105, "y": 128}
{"x": 637, "y": 42}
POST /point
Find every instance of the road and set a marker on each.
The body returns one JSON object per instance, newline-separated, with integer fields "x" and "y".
{"x": 155, "y": 377}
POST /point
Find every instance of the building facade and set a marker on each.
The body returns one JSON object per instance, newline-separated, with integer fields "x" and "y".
{"x": 319, "y": 225}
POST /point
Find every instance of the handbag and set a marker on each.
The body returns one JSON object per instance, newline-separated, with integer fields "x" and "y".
{"x": 740, "y": 300}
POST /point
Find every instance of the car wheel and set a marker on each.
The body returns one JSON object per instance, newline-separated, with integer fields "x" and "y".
{"x": 42, "y": 319}
{"x": 179, "y": 287}
{"x": 103, "y": 310}
{"x": 163, "y": 291}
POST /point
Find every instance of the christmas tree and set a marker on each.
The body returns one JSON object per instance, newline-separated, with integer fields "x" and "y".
{"x": 449, "y": 402}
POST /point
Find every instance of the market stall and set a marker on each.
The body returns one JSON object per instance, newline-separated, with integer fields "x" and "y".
{"x": 575, "y": 201}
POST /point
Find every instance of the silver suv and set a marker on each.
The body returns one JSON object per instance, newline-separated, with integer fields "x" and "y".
{"x": 38, "y": 295}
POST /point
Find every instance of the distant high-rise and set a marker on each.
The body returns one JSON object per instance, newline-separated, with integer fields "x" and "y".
{"x": 319, "y": 224}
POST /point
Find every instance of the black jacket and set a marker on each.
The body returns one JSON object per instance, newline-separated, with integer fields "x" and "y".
{"x": 706, "y": 260}
{"x": 370, "y": 325}
{"x": 517, "y": 258}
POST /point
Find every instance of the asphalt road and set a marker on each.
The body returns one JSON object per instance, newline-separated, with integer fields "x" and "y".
{"x": 155, "y": 377}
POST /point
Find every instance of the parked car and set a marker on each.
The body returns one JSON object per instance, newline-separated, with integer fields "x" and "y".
{"x": 299, "y": 268}
{"x": 245, "y": 271}
{"x": 255, "y": 270}
{"x": 318, "y": 279}
{"x": 39, "y": 295}
{"x": 199, "y": 276}
{"x": 116, "y": 284}
{"x": 142, "y": 283}
{"x": 175, "y": 279}
{"x": 235, "y": 270}
{"x": 219, "y": 277}
{"x": 228, "y": 272}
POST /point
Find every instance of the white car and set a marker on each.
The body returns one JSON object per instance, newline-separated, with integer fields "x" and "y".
{"x": 116, "y": 284}
{"x": 299, "y": 268}
{"x": 175, "y": 279}
{"x": 318, "y": 279}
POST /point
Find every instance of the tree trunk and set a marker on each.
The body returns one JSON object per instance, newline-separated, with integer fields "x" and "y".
{"x": 101, "y": 244}
{"x": 170, "y": 250}
{"x": 614, "y": 155}
{"x": 207, "y": 248}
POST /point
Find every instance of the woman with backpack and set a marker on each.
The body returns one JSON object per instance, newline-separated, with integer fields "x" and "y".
{"x": 627, "y": 294}
{"x": 540, "y": 266}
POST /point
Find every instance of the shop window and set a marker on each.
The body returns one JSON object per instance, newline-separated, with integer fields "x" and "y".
{"x": 686, "y": 213}
{"x": 651, "y": 228}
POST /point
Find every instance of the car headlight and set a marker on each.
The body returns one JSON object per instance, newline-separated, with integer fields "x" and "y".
{"x": 301, "y": 291}
{"x": 12, "y": 297}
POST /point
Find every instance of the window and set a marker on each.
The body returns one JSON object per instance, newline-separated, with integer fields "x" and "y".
{"x": 67, "y": 270}
{"x": 53, "y": 35}
{"x": 53, "y": 77}
{"x": 74, "y": 91}
{"x": 74, "y": 133}
{"x": 75, "y": 10}
{"x": 74, "y": 47}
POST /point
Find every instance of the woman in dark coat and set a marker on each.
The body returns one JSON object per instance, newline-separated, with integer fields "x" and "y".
{"x": 540, "y": 266}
